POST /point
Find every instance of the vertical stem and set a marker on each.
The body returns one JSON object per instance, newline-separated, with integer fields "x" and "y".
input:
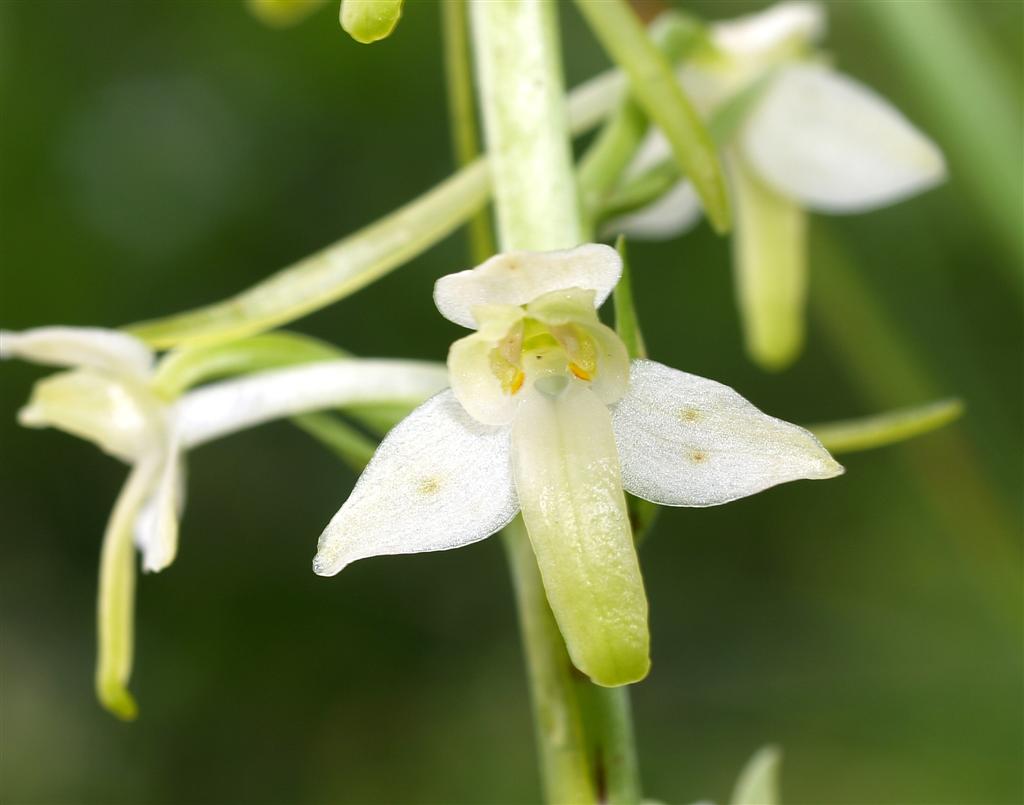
{"x": 523, "y": 100}
{"x": 462, "y": 113}
{"x": 561, "y": 743}
{"x": 585, "y": 736}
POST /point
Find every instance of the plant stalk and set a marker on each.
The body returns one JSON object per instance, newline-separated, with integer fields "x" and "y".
{"x": 584, "y": 733}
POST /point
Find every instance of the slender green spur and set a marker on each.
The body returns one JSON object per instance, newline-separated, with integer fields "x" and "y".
{"x": 547, "y": 415}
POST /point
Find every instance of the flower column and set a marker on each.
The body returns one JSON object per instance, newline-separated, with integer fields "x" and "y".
{"x": 522, "y": 98}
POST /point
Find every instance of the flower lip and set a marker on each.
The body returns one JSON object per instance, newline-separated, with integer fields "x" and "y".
{"x": 517, "y": 278}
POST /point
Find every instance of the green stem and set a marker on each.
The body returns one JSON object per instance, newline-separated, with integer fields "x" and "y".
{"x": 462, "y": 113}
{"x": 654, "y": 86}
{"x": 585, "y": 737}
{"x": 564, "y": 761}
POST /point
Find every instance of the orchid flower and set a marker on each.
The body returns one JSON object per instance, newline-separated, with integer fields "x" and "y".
{"x": 109, "y": 398}
{"x": 546, "y": 415}
{"x": 812, "y": 140}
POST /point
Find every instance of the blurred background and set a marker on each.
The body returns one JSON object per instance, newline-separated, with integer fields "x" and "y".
{"x": 160, "y": 155}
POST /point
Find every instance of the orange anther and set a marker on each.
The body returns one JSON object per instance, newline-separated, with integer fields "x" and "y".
{"x": 581, "y": 373}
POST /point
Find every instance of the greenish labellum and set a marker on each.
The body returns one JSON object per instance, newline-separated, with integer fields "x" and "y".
{"x": 570, "y": 490}
{"x": 770, "y": 262}
{"x": 369, "y": 21}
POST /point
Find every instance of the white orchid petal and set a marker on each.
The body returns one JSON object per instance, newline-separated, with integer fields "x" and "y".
{"x": 439, "y": 480}
{"x": 675, "y": 213}
{"x": 770, "y": 265}
{"x": 687, "y": 441}
{"x": 86, "y": 347}
{"x": 222, "y": 408}
{"x": 836, "y": 145}
{"x": 117, "y": 414}
{"x": 567, "y": 478}
{"x": 755, "y": 34}
{"x": 515, "y": 278}
{"x": 156, "y": 527}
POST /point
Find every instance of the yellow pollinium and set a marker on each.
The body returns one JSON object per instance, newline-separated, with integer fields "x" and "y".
{"x": 532, "y": 349}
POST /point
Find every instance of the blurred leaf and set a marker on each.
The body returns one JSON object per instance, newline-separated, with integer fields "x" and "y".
{"x": 891, "y": 427}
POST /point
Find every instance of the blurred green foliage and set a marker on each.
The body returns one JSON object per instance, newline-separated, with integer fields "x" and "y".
{"x": 161, "y": 155}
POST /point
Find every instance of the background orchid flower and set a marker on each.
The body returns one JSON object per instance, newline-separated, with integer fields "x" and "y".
{"x": 810, "y": 139}
{"x": 109, "y": 398}
{"x": 546, "y": 415}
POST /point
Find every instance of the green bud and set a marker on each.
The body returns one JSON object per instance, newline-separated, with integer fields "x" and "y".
{"x": 368, "y": 21}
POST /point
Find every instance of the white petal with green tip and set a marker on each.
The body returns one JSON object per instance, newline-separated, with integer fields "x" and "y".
{"x": 567, "y": 478}
{"x": 222, "y": 408}
{"x": 684, "y": 440}
{"x": 439, "y": 480}
{"x": 835, "y": 145}
{"x": 85, "y": 347}
{"x": 515, "y": 278}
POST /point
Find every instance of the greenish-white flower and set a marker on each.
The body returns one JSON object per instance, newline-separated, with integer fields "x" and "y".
{"x": 547, "y": 415}
{"x": 110, "y": 398}
{"x": 811, "y": 139}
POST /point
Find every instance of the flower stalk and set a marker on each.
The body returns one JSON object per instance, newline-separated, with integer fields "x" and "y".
{"x": 522, "y": 99}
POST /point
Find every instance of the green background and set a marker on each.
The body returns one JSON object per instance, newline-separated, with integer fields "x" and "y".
{"x": 160, "y": 155}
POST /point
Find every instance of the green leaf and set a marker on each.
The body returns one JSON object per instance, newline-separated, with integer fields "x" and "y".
{"x": 759, "y": 781}
{"x": 369, "y": 21}
{"x": 653, "y": 84}
{"x": 891, "y": 427}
